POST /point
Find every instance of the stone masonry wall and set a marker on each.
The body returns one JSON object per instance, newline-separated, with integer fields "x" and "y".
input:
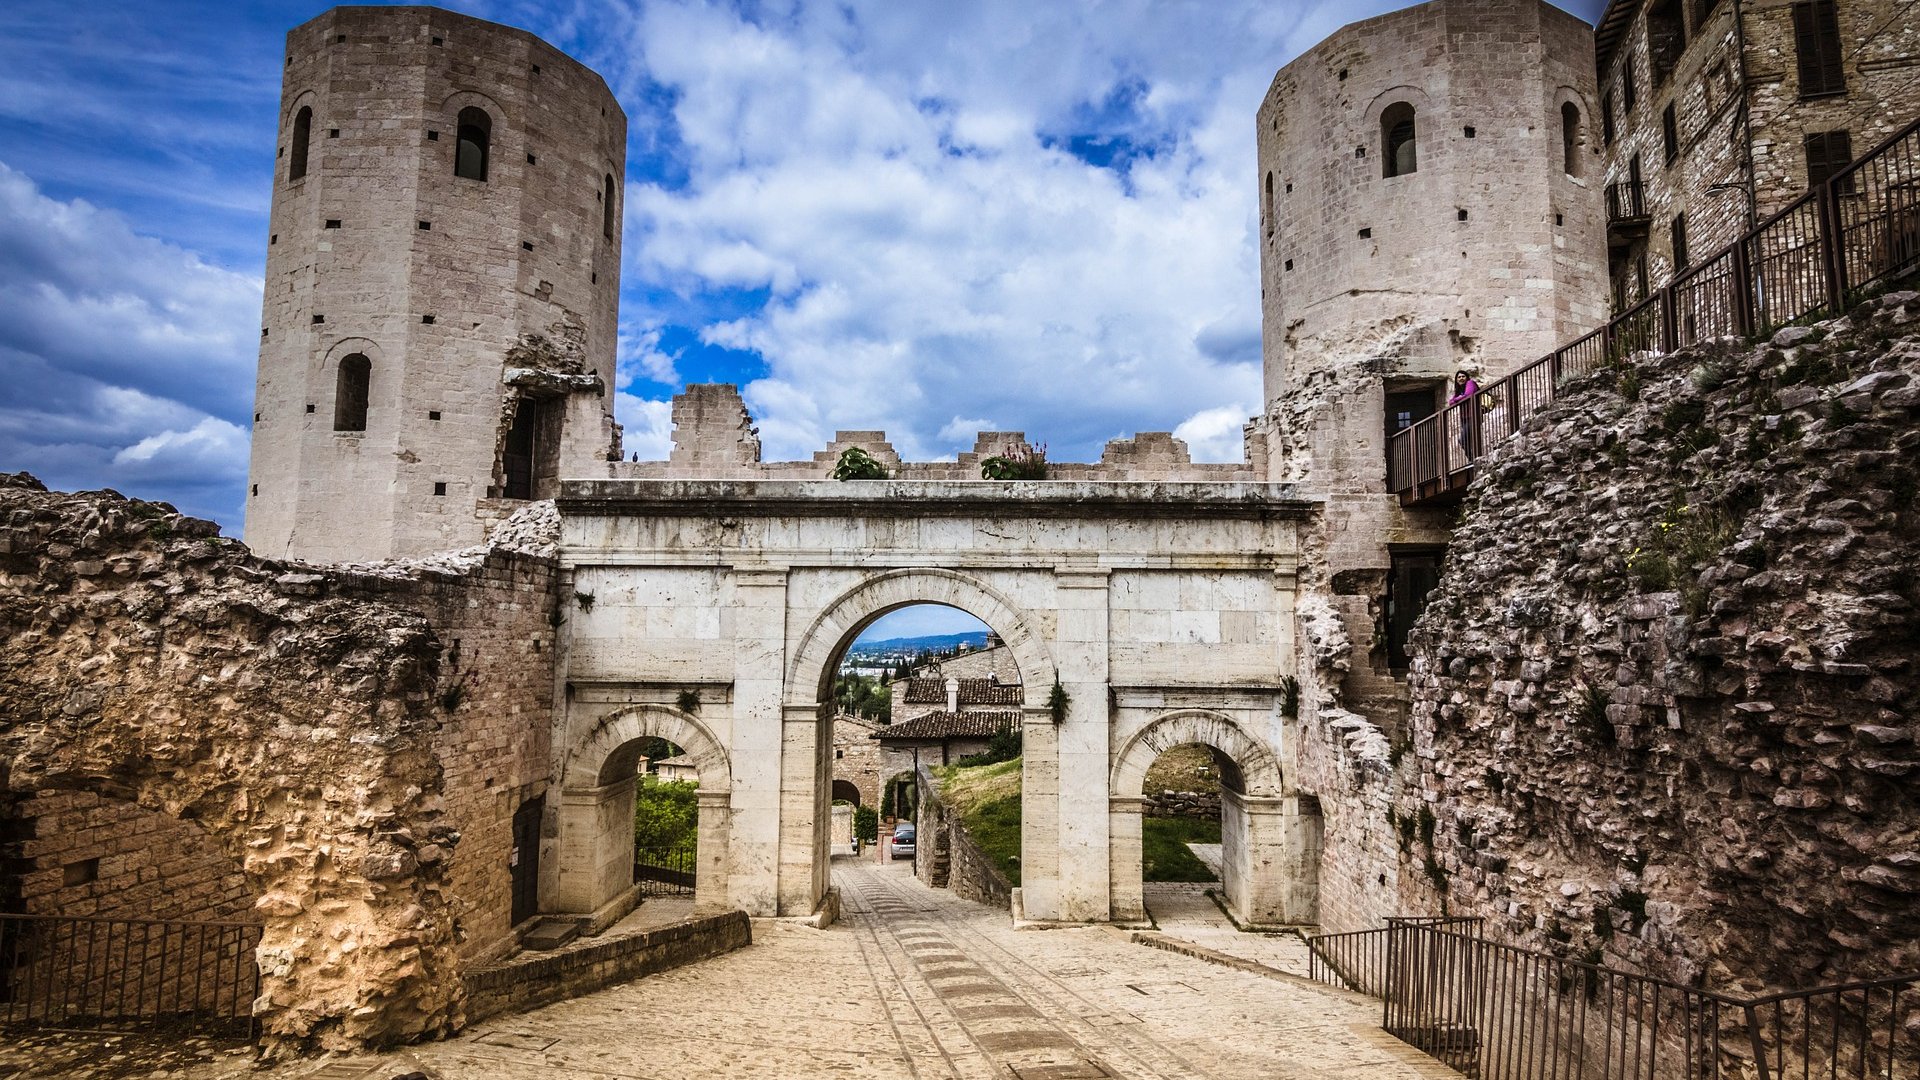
{"x": 84, "y": 855}
{"x": 493, "y": 616}
{"x": 354, "y": 760}
{"x": 1665, "y": 696}
{"x": 945, "y": 856}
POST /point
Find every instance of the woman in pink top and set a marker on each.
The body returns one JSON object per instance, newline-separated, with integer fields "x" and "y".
{"x": 1464, "y": 388}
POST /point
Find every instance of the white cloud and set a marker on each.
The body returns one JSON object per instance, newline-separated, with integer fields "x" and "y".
{"x": 640, "y": 354}
{"x": 1214, "y": 434}
{"x": 960, "y": 430}
{"x": 647, "y": 424}
{"x": 929, "y": 250}
{"x": 129, "y": 359}
{"x": 210, "y": 446}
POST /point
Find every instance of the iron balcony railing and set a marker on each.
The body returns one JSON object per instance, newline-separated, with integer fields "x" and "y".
{"x": 1500, "y": 1012}
{"x": 146, "y": 974}
{"x": 1626, "y": 201}
{"x": 1858, "y": 230}
{"x": 668, "y": 871}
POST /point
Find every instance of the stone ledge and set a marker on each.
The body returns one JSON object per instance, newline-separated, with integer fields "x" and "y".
{"x": 531, "y": 981}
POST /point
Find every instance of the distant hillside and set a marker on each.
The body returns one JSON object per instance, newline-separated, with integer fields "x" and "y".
{"x": 972, "y": 639}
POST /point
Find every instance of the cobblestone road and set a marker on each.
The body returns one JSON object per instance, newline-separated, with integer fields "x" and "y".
{"x": 914, "y": 984}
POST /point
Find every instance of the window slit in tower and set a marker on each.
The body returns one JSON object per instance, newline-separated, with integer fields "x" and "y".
{"x": 302, "y": 133}
{"x": 1398, "y": 154}
{"x": 474, "y": 142}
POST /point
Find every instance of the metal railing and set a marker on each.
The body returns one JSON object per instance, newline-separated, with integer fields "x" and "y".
{"x": 146, "y": 974}
{"x": 666, "y": 871}
{"x": 1358, "y": 960}
{"x": 1626, "y": 201}
{"x": 1858, "y": 230}
{"x": 1500, "y": 1012}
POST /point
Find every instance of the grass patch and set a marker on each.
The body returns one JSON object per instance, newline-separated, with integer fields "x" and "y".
{"x": 1164, "y": 855}
{"x": 987, "y": 798}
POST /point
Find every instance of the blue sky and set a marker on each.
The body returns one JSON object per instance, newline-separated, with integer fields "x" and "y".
{"x": 931, "y": 218}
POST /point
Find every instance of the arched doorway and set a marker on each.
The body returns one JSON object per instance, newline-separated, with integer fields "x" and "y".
{"x": 594, "y": 875}
{"x": 1269, "y": 839}
{"x": 814, "y": 686}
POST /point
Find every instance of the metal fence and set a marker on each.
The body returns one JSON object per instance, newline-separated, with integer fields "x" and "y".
{"x": 1857, "y": 231}
{"x": 665, "y": 871}
{"x": 143, "y": 974}
{"x": 1500, "y": 1012}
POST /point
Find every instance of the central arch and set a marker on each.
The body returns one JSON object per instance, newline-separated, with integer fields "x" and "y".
{"x": 1268, "y": 850}
{"x": 840, "y": 622}
{"x": 595, "y": 865}
{"x": 806, "y": 771}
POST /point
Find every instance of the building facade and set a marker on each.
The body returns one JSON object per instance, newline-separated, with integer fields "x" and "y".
{"x": 1717, "y": 114}
{"x": 442, "y": 283}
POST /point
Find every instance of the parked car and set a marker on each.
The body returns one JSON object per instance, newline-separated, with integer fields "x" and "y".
{"x": 900, "y": 844}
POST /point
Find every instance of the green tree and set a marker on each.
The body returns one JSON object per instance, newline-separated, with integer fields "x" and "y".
{"x": 863, "y": 695}
{"x": 866, "y": 824}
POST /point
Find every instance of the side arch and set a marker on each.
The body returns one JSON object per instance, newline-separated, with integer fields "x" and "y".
{"x": 1259, "y": 768}
{"x": 594, "y": 872}
{"x": 611, "y": 752}
{"x": 841, "y": 620}
{"x": 1267, "y": 871}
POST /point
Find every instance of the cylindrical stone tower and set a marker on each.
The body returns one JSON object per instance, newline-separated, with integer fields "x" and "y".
{"x": 1430, "y": 193}
{"x": 442, "y": 284}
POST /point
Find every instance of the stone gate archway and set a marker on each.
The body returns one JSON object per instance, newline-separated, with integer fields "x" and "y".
{"x": 593, "y": 875}
{"x": 1267, "y": 857}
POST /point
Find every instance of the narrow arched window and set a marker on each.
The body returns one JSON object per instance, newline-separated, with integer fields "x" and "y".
{"x": 350, "y": 389}
{"x": 1267, "y": 207}
{"x": 1570, "y": 138}
{"x": 1396, "y": 141}
{"x": 297, "y": 149}
{"x": 476, "y": 135}
{"x": 606, "y": 209}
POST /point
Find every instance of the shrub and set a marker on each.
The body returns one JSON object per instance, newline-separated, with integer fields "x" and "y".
{"x": 666, "y": 813}
{"x": 857, "y": 464}
{"x": 1004, "y": 746}
{"x": 866, "y": 824}
{"x": 1022, "y": 462}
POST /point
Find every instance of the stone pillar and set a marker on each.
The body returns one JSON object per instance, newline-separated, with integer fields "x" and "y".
{"x": 1301, "y": 827}
{"x": 1258, "y": 871}
{"x": 596, "y": 854}
{"x": 806, "y": 770}
{"x": 710, "y": 881}
{"x": 1039, "y": 809}
{"x": 1125, "y": 823}
{"x": 1084, "y": 752}
{"x": 759, "y": 656}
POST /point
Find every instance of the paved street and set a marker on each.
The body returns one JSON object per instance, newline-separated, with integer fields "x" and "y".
{"x": 915, "y": 983}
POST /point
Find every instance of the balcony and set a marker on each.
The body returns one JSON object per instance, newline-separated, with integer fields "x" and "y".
{"x": 1627, "y": 217}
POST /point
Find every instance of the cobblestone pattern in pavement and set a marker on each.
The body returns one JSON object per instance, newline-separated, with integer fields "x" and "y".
{"x": 916, "y": 984}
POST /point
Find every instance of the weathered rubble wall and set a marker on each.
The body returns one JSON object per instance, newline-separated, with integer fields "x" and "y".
{"x": 1664, "y": 696}
{"x": 494, "y": 612}
{"x": 300, "y": 717}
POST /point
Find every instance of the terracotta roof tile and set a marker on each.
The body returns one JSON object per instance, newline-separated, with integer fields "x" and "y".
{"x": 947, "y": 725}
{"x": 933, "y": 691}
